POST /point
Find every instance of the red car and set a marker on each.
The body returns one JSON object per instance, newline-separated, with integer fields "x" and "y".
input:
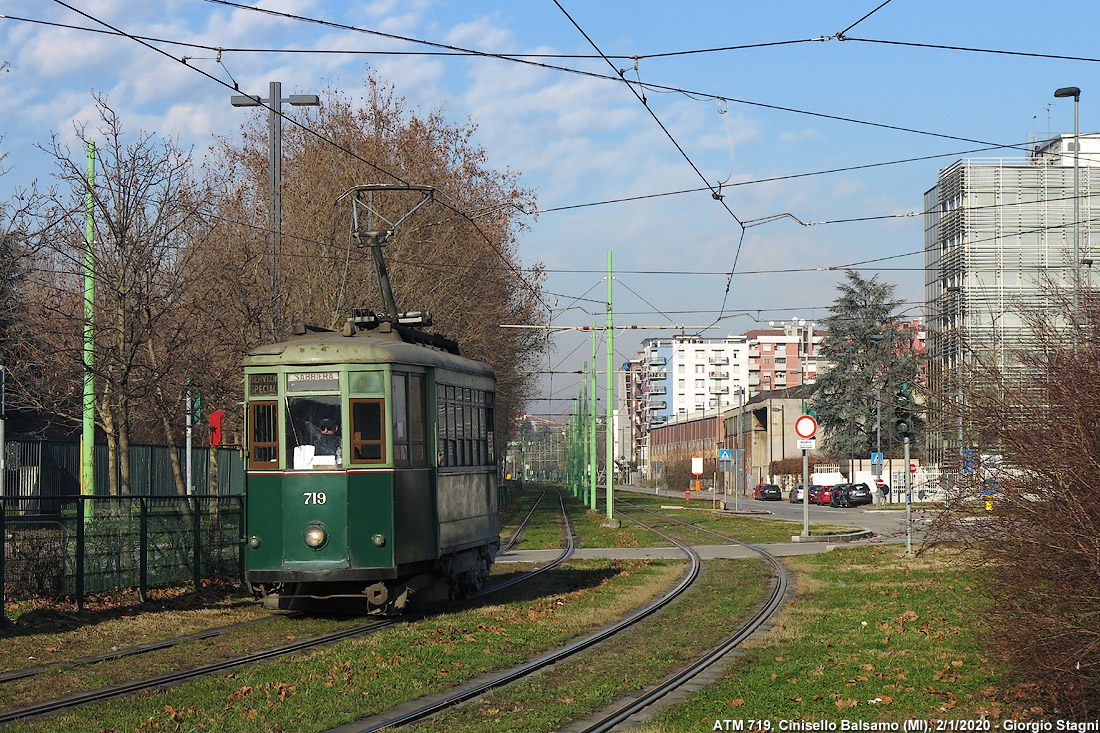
{"x": 825, "y": 496}
{"x": 815, "y": 494}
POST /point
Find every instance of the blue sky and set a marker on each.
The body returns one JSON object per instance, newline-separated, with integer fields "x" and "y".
{"x": 578, "y": 139}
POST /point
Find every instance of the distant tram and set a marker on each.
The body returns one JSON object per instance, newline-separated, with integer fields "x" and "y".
{"x": 371, "y": 473}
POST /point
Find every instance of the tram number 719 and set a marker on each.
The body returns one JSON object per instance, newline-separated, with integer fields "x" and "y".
{"x": 315, "y": 497}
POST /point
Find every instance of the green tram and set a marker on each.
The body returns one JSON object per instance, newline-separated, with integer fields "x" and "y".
{"x": 371, "y": 473}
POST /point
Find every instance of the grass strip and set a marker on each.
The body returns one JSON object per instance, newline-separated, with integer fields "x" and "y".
{"x": 358, "y": 678}
{"x": 642, "y": 656}
{"x": 873, "y": 636}
{"x": 46, "y": 631}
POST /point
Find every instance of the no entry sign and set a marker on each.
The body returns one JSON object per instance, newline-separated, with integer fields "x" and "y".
{"x": 805, "y": 426}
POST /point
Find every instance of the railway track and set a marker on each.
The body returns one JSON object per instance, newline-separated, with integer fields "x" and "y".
{"x": 618, "y": 714}
{"x": 68, "y": 702}
{"x": 419, "y": 710}
{"x": 518, "y": 534}
{"x": 607, "y": 721}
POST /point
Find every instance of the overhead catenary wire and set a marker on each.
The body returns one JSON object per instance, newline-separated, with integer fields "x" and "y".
{"x": 276, "y": 109}
{"x": 616, "y": 77}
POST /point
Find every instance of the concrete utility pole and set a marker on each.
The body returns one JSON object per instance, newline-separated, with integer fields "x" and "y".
{"x": 274, "y": 103}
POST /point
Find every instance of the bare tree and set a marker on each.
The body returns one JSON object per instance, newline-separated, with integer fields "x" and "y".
{"x": 1027, "y": 505}
{"x": 149, "y": 284}
{"x": 462, "y": 265}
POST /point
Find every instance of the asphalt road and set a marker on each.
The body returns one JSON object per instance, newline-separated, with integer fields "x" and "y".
{"x": 888, "y": 525}
{"x": 886, "y": 522}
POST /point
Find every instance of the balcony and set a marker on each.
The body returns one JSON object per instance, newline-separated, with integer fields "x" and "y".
{"x": 658, "y": 389}
{"x": 656, "y": 374}
{"x": 754, "y": 366}
{"x": 719, "y": 375}
{"x": 754, "y": 353}
{"x": 719, "y": 390}
{"x": 754, "y": 380}
{"x": 658, "y": 420}
{"x": 656, "y": 405}
{"x": 718, "y": 360}
{"x": 656, "y": 361}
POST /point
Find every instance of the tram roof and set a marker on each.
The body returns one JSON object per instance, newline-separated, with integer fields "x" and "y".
{"x": 376, "y": 346}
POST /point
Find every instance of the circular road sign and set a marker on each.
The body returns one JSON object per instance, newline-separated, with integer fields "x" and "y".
{"x": 912, "y": 468}
{"x": 805, "y": 426}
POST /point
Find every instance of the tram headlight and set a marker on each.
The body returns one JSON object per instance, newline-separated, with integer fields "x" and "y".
{"x": 253, "y": 542}
{"x": 379, "y": 540}
{"x": 315, "y": 536}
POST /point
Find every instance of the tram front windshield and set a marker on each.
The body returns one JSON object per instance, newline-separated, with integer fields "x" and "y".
{"x": 315, "y": 429}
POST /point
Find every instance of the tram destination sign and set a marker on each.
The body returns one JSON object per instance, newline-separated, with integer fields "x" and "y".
{"x": 312, "y": 381}
{"x": 263, "y": 385}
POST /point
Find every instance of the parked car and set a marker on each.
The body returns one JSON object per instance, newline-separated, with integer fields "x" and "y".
{"x": 815, "y": 494}
{"x": 767, "y": 492}
{"x": 851, "y": 495}
{"x": 826, "y": 495}
{"x": 797, "y": 491}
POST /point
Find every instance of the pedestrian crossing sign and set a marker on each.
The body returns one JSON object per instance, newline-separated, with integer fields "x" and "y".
{"x": 876, "y": 458}
{"x": 725, "y": 454}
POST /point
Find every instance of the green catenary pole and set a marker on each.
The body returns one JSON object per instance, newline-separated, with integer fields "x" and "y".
{"x": 586, "y": 460}
{"x": 592, "y": 424}
{"x": 610, "y": 392}
{"x": 87, "y": 461}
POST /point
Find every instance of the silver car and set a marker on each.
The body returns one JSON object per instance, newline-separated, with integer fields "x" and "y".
{"x": 796, "y": 494}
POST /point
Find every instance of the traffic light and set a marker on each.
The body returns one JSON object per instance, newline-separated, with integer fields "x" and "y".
{"x": 903, "y": 411}
{"x": 197, "y": 402}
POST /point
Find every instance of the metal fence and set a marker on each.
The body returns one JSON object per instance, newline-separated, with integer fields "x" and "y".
{"x": 73, "y": 545}
{"x": 39, "y": 468}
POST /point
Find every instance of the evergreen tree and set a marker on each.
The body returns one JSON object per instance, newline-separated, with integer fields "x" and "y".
{"x": 872, "y": 359}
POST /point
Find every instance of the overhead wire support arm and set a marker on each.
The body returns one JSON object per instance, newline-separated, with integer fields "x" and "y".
{"x": 377, "y": 237}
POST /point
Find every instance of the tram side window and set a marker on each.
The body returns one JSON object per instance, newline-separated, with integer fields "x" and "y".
{"x": 263, "y": 435}
{"x": 368, "y": 439}
{"x": 408, "y": 420}
{"x": 464, "y": 422}
{"x": 315, "y": 432}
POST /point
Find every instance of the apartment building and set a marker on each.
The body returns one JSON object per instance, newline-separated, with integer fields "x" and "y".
{"x": 997, "y": 233}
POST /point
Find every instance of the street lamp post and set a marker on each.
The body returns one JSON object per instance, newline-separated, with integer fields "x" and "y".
{"x": 1076, "y": 94}
{"x": 274, "y": 103}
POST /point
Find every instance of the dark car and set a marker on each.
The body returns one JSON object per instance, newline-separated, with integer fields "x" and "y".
{"x": 851, "y": 495}
{"x": 767, "y": 492}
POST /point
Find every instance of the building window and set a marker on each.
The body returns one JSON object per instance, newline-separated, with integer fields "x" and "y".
{"x": 680, "y": 382}
{"x": 700, "y": 368}
{"x": 700, "y": 383}
{"x": 767, "y": 361}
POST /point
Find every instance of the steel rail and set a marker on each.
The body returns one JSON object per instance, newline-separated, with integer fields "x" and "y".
{"x": 522, "y": 525}
{"x": 432, "y": 708}
{"x": 61, "y": 704}
{"x": 682, "y": 677}
{"x": 67, "y": 702}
